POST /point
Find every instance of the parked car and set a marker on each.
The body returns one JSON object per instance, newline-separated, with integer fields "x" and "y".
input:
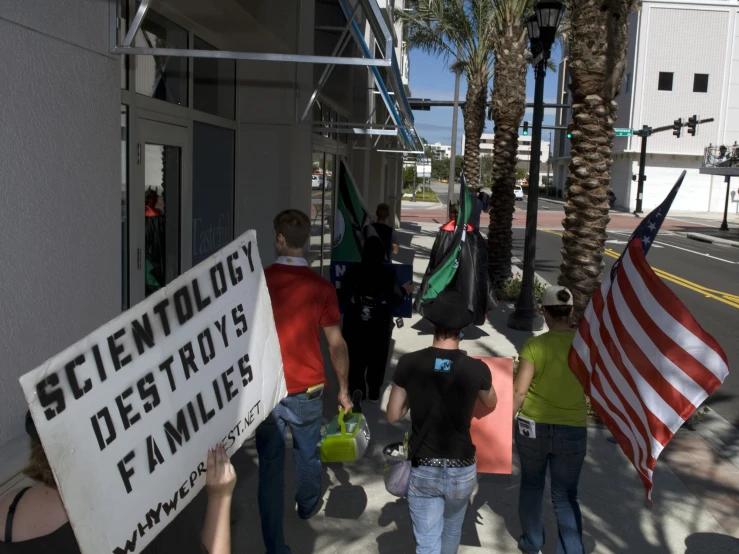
{"x": 518, "y": 192}
{"x": 317, "y": 183}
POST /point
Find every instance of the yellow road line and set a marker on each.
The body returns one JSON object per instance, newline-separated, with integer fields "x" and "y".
{"x": 728, "y": 299}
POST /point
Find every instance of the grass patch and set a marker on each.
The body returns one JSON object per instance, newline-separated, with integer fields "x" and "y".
{"x": 427, "y": 195}
{"x": 511, "y": 289}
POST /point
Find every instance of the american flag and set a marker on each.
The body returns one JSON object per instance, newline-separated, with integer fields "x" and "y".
{"x": 642, "y": 358}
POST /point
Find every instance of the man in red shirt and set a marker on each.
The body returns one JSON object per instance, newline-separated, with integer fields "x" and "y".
{"x": 303, "y": 304}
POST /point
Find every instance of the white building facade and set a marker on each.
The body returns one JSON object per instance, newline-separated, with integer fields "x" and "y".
{"x": 487, "y": 147}
{"x": 440, "y": 151}
{"x": 683, "y": 60}
{"x": 94, "y": 143}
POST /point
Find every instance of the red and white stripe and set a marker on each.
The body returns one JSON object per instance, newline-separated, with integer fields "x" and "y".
{"x": 644, "y": 361}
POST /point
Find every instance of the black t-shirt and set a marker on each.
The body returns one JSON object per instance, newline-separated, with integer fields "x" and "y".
{"x": 443, "y": 385}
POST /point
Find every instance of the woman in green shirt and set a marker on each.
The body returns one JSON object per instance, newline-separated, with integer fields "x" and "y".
{"x": 550, "y": 428}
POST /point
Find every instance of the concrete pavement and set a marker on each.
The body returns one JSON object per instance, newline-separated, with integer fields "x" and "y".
{"x": 358, "y": 515}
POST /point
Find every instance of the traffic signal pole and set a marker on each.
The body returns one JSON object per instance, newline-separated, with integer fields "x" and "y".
{"x": 647, "y": 131}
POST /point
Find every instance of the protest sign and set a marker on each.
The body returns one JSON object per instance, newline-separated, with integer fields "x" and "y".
{"x": 492, "y": 432}
{"x": 403, "y": 274}
{"x": 127, "y": 414}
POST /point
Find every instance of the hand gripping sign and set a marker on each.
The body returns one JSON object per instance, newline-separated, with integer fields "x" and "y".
{"x": 127, "y": 414}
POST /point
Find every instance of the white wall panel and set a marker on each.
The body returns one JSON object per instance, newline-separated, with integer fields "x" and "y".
{"x": 684, "y": 41}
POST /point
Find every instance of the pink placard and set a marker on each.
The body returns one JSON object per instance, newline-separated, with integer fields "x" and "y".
{"x": 492, "y": 432}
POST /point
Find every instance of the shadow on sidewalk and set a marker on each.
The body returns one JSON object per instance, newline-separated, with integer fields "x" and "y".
{"x": 616, "y": 517}
{"x": 701, "y": 543}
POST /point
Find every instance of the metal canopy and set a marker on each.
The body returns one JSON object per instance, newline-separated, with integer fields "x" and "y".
{"x": 367, "y": 6}
{"x": 395, "y": 100}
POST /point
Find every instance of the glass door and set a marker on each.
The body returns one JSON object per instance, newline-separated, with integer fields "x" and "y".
{"x": 156, "y": 208}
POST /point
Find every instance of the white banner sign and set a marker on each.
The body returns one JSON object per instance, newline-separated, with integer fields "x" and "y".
{"x": 423, "y": 170}
{"x": 127, "y": 415}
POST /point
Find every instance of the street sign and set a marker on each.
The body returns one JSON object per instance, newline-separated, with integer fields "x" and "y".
{"x": 623, "y": 132}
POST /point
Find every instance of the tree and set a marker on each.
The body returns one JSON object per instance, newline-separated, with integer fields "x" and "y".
{"x": 507, "y": 109}
{"x": 461, "y": 31}
{"x": 486, "y": 171}
{"x": 597, "y": 60}
{"x": 409, "y": 176}
{"x": 439, "y": 169}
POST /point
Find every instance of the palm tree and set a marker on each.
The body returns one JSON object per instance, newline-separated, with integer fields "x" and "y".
{"x": 597, "y": 60}
{"x": 507, "y": 109}
{"x": 460, "y": 31}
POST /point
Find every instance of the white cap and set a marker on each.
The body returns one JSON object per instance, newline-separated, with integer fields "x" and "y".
{"x": 549, "y": 298}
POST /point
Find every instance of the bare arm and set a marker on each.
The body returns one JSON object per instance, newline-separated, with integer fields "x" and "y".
{"x": 220, "y": 480}
{"x": 397, "y": 406}
{"x": 340, "y": 360}
{"x": 522, "y": 383}
{"x": 489, "y": 397}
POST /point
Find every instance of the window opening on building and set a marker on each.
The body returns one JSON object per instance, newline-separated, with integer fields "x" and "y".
{"x": 700, "y": 82}
{"x": 665, "y": 80}
{"x": 161, "y": 77}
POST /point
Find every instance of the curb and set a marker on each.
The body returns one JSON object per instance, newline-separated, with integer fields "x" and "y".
{"x": 712, "y": 240}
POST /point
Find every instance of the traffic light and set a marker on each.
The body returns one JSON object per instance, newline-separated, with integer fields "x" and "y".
{"x": 677, "y": 127}
{"x": 525, "y": 128}
{"x": 569, "y": 135}
{"x": 692, "y": 124}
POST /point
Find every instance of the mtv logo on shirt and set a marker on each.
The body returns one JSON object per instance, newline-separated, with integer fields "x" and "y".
{"x": 443, "y": 365}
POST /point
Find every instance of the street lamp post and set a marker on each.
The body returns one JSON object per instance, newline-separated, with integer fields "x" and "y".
{"x": 542, "y": 29}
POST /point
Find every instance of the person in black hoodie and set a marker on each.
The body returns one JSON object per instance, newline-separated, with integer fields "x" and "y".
{"x": 472, "y": 278}
{"x": 369, "y": 292}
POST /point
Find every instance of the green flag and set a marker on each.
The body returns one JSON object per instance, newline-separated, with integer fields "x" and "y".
{"x": 351, "y": 215}
{"x": 447, "y": 268}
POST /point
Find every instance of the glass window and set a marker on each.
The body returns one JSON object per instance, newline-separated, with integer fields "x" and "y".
{"x": 122, "y": 30}
{"x": 700, "y": 82}
{"x": 124, "y": 207}
{"x": 317, "y": 212}
{"x": 326, "y": 117}
{"x": 162, "y": 171}
{"x": 665, "y": 81}
{"x": 214, "y": 87}
{"x": 321, "y": 212}
{"x": 330, "y": 175}
{"x": 213, "y": 190}
{"x": 161, "y": 77}
{"x": 317, "y": 114}
{"x": 343, "y": 137}
{"x": 628, "y": 82}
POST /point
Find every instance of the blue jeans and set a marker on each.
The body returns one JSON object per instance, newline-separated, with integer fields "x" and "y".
{"x": 438, "y": 499}
{"x": 304, "y": 418}
{"x": 561, "y": 448}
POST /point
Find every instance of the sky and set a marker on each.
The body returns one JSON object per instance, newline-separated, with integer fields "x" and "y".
{"x": 431, "y": 78}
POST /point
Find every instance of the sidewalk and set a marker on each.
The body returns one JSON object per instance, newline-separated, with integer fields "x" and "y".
{"x": 696, "y": 498}
{"x": 696, "y": 495}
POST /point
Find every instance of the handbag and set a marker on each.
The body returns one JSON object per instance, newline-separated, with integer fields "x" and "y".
{"x": 398, "y": 463}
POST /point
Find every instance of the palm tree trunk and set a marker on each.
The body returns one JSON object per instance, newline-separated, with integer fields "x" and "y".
{"x": 508, "y": 100}
{"x": 474, "y": 123}
{"x": 597, "y": 61}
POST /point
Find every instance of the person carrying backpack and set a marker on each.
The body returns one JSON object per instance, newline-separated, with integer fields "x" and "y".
{"x": 369, "y": 292}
